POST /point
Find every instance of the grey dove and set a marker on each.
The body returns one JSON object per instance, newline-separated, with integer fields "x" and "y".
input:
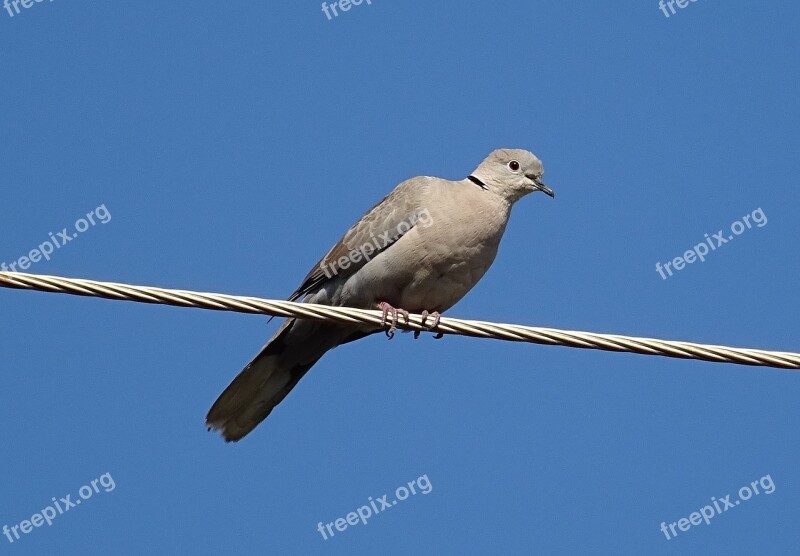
{"x": 421, "y": 249}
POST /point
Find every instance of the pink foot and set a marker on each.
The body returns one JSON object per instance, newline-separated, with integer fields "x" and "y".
{"x": 436, "y": 318}
{"x": 389, "y": 310}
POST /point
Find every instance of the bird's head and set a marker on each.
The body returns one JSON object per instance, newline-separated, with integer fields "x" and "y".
{"x": 511, "y": 173}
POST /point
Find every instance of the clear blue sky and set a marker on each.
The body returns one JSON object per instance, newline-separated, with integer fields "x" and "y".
{"x": 232, "y": 144}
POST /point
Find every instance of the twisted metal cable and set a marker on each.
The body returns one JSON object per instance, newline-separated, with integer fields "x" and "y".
{"x": 477, "y": 329}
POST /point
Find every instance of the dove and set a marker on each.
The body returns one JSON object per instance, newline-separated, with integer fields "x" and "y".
{"x": 419, "y": 250}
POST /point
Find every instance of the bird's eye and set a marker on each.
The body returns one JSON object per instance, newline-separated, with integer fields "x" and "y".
{"x": 513, "y": 165}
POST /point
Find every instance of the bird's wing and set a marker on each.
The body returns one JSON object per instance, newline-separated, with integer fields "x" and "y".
{"x": 373, "y": 234}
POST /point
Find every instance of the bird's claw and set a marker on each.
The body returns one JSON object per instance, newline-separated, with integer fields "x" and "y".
{"x": 389, "y": 310}
{"x": 436, "y": 318}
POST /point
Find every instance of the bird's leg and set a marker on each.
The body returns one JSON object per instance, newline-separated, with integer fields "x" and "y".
{"x": 387, "y": 310}
{"x": 436, "y": 318}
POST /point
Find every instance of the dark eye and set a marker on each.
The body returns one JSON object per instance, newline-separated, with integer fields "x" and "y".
{"x": 514, "y": 165}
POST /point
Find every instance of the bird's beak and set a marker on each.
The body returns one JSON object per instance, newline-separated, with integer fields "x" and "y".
{"x": 539, "y": 184}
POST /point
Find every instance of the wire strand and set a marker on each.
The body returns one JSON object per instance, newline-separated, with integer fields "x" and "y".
{"x": 473, "y": 328}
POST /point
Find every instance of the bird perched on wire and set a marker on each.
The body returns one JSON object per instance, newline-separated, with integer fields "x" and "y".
{"x": 421, "y": 249}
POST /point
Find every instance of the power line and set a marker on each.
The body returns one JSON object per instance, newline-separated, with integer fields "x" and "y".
{"x": 447, "y": 325}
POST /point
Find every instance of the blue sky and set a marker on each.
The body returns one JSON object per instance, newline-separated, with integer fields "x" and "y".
{"x": 231, "y": 145}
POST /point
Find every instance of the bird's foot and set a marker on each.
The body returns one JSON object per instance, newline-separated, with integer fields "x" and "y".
{"x": 393, "y": 311}
{"x": 436, "y": 318}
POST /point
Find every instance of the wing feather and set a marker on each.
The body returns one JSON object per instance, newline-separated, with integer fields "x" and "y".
{"x": 379, "y": 228}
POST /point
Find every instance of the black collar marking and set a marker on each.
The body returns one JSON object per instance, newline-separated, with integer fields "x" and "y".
{"x": 477, "y": 182}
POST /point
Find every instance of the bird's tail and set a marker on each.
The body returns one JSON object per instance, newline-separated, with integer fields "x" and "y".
{"x": 266, "y": 380}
